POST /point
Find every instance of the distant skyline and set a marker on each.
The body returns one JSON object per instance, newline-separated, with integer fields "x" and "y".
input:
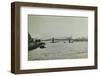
{"x": 57, "y": 26}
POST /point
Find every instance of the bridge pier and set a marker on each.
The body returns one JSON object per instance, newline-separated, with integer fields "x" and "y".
{"x": 70, "y": 41}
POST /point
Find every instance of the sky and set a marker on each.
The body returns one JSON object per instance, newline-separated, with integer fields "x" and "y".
{"x": 45, "y": 27}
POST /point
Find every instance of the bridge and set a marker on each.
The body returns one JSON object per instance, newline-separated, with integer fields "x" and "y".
{"x": 54, "y": 40}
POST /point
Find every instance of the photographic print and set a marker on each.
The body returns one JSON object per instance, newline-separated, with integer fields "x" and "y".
{"x": 52, "y": 37}
{"x": 57, "y": 37}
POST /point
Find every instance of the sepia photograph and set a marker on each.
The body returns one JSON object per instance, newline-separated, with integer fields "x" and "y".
{"x": 52, "y": 37}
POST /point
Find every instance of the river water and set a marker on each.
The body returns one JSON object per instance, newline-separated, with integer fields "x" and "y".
{"x": 60, "y": 50}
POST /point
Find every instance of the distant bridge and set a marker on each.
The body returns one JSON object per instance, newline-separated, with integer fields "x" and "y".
{"x": 54, "y": 40}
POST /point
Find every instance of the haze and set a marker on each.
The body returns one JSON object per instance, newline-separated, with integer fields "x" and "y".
{"x": 57, "y": 26}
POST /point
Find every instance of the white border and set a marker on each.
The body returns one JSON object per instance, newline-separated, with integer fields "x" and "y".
{"x": 25, "y": 64}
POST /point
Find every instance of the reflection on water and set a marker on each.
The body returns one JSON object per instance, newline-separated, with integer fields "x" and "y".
{"x": 60, "y": 50}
